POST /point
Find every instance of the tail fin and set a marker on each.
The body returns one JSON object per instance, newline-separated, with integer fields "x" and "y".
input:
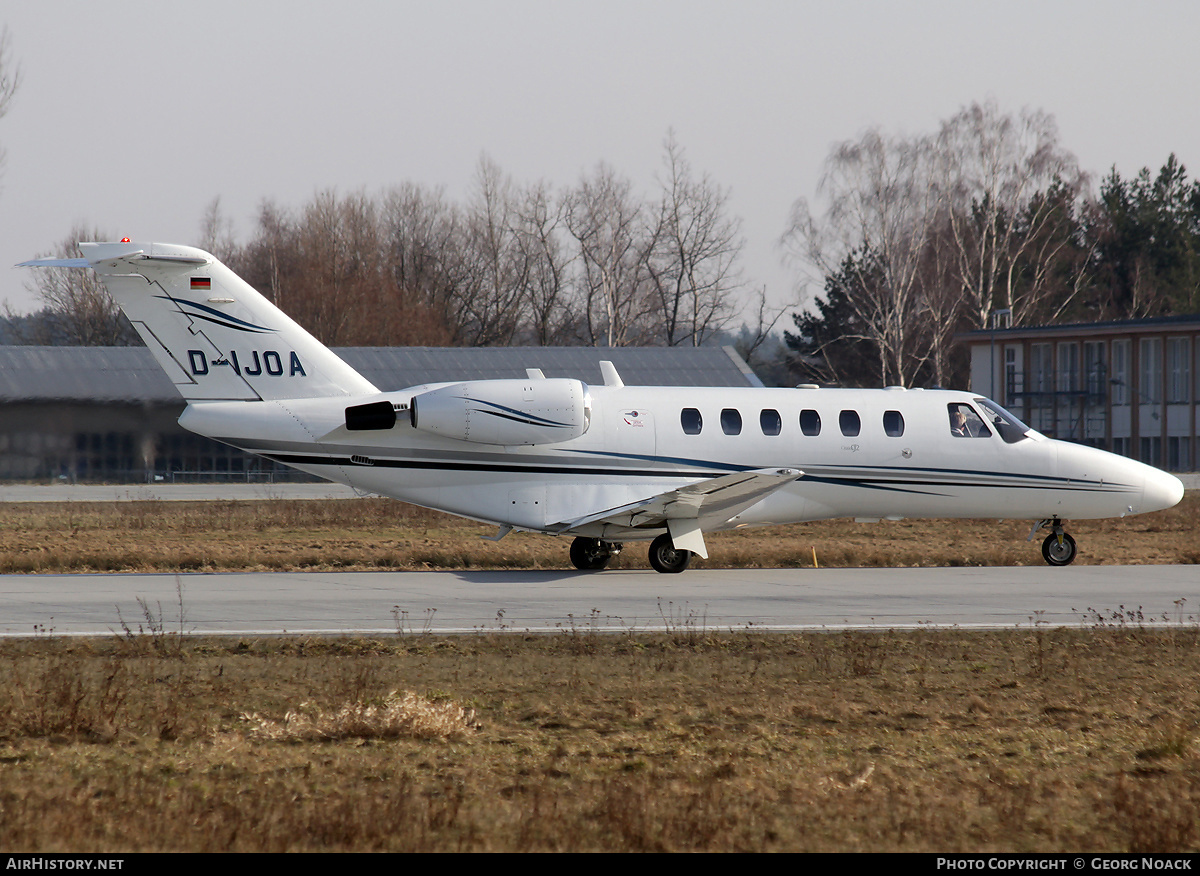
{"x": 210, "y": 331}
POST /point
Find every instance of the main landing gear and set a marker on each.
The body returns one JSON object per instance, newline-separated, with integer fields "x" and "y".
{"x": 1059, "y": 548}
{"x": 592, "y": 554}
{"x": 665, "y": 557}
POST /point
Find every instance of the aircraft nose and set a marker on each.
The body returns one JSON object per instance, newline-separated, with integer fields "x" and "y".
{"x": 1162, "y": 490}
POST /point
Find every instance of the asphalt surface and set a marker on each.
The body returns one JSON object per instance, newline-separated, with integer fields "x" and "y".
{"x": 444, "y": 602}
{"x": 413, "y": 602}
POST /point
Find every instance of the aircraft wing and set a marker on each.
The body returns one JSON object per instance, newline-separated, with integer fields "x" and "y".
{"x": 689, "y": 510}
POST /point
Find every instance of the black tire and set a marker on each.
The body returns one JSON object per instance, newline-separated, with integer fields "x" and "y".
{"x": 666, "y": 558}
{"x": 590, "y": 554}
{"x": 1056, "y": 554}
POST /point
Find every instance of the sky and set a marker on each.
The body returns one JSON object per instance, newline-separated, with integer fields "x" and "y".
{"x": 133, "y": 115}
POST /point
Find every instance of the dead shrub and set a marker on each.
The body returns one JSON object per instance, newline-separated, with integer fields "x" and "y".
{"x": 397, "y": 716}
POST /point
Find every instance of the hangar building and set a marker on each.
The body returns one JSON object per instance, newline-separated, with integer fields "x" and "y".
{"x": 92, "y": 414}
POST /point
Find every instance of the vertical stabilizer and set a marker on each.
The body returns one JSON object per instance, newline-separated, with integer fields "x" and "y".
{"x": 214, "y": 335}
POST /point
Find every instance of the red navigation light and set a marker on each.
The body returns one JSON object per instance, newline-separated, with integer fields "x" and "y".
{"x": 124, "y": 240}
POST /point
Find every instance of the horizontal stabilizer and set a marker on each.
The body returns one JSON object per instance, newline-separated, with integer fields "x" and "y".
{"x": 55, "y": 263}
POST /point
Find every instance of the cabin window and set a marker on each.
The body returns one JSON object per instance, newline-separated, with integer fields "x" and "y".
{"x": 810, "y": 423}
{"x": 850, "y": 423}
{"x": 691, "y": 421}
{"x": 965, "y": 423}
{"x": 770, "y": 422}
{"x": 893, "y": 424}
{"x": 731, "y": 422}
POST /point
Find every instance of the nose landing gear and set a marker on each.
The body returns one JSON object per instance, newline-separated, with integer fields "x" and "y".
{"x": 1058, "y": 549}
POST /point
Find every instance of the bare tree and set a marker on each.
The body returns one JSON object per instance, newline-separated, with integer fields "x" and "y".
{"x": 547, "y": 283}
{"x": 612, "y": 241}
{"x": 324, "y": 268}
{"x": 338, "y": 289}
{"x": 882, "y": 199}
{"x": 421, "y": 232}
{"x": 216, "y": 232}
{"x": 271, "y": 255}
{"x": 81, "y": 310}
{"x": 10, "y": 80}
{"x": 694, "y": 266}
{"x": 491, "y": 305}
{"x": 1007, "y": 227}
{"x": 941, "y": 302}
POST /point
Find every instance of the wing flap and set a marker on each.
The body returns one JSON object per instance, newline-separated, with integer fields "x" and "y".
{"x": 696, "y": 507}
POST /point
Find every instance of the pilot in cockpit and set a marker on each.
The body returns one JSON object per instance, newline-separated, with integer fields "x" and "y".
{"x": 965, "y": 423}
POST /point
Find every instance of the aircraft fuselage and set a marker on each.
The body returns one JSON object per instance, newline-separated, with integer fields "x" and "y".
{"x": 638, "y": 445}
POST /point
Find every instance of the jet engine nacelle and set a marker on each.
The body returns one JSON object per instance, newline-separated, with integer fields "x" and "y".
{"x": 536, "y": 411}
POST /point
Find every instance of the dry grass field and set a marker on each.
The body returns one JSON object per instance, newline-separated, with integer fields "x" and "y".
{"x": 930, "y": 740}
{"x": 385, "y": 534}
{"x": 933, "y": 740}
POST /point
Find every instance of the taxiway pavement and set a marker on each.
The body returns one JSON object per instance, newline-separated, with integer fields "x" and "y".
{"x": 467, "y": 601}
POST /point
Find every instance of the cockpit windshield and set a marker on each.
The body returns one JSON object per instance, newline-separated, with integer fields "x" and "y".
{"x": 1006, "y": 425}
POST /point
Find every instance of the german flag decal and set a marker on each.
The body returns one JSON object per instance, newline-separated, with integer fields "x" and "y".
{"x": 203, "y": 283}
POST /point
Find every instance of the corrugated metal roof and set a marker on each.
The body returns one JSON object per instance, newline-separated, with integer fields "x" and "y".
{"x": 1182, "y": 322}
{"x": 130, "y": 374}
{"x": 396, "y": 367}
{"x": 103, "y": 374}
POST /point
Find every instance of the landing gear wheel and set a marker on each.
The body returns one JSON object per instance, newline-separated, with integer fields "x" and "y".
{"x": 1059, "y": 554}
{"x": 665, "y": 557}
{"x": 592, "y": 554}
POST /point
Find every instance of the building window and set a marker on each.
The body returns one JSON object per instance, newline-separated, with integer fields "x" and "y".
{"x": 1177, "y": 453}
{"x": 1041, "y": 367}
{"x": 1012, "y": 373}
{"x": 1150, "y": 370}
{"x": 850, "y": 423}
{"x": 1068, "y": 366}
{"x": 1152, "y": 451}
{"x": 1095, "y": 374}
{"x": 770, "y": 422}
{"x": 691, "y": 421}
{"x": 1179, "y": 356}
{"x": 1120, "y": 373}
{"x": 893, "y": 424}
{"x": 731, "y": 422}
{"x": 810, "y": 423}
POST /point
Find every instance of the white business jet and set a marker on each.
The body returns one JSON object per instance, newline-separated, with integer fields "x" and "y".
{"x": 606, "y": 464}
